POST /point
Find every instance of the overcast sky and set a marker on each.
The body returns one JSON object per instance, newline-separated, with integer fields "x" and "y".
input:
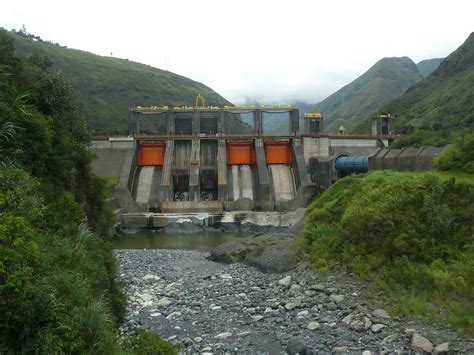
{"x": 270, "y": 51}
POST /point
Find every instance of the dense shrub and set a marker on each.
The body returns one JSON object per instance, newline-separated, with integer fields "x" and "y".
{"x": 410, "y": 233}
{"x": 58, "y": 292}
{"x": 459, "y": 156}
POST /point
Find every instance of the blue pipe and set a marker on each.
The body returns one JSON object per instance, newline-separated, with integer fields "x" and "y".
{"x": 346, "y": 165}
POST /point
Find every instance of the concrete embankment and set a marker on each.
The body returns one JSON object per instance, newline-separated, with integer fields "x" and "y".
{"x": 249, "y": 221}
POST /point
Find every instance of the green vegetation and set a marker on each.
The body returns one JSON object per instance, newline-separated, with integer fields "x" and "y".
{"x": 149, "y": 343}
{"x": 384, "y": 81}
{"x": 58, "y": 291}
{"x": 430, "y": 111}
{"x": 410, "y": 233}
{"x": 459, "y": 156}
{"x": 106, "y": 87}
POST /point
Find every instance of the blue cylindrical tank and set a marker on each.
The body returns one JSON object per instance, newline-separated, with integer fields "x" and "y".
{"x": 346, "y": 165}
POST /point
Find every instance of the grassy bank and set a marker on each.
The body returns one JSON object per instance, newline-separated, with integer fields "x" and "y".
{"x": 410, "y": 233}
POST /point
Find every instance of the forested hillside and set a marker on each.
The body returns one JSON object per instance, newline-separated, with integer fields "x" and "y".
{"x": 440, "y": 104}
{"x": 58, "y": 288}
{"x": 106, "y": 87}
{"x": 352, "y": 104}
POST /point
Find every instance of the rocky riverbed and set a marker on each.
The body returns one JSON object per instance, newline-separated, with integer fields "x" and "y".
{"x": 212, "y": 307}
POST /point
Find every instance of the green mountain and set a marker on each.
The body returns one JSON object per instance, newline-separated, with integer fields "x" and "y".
{"x": 443, "y": 101}
{"x": 352, "y": 104}
{"x": 106, "y": 87}
{"x": 427, "y": 66}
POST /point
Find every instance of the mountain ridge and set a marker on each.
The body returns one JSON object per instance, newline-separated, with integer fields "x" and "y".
{"x": 106, "y": 87}
{"x": 443, "y": 101}
{"x": 386, "y": 79}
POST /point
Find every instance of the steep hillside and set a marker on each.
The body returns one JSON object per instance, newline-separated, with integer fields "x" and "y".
{"x": 352, "y": 104}
{"x": 442, "y": 102}
{"x": 106, "y": 87}
{"x": 427, "y": 66}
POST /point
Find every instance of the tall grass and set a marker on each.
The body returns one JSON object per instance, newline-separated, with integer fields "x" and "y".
{"x": 412, "y": 234}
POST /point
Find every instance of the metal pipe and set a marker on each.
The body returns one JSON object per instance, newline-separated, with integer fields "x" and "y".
{"x": 346, "y": 165}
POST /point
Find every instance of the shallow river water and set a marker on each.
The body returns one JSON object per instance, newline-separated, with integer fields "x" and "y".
{"x": 200, "y": 241}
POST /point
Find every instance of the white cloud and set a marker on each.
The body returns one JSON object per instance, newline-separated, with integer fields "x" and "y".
{"x": 274, "y": 51}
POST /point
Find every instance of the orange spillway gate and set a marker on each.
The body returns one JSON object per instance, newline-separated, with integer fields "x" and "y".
{"x": 277, "y": 152}
{"x": 151, "y": 154}
{"x": 240, "y": 153}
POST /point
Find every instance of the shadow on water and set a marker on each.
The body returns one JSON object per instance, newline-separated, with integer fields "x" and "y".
{"x": 201, "y": 241}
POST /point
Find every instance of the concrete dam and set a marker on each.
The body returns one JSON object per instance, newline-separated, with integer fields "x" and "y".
{"x": 195, "y": 167}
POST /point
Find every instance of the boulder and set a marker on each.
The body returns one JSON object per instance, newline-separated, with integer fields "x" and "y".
{"x": 441, "y": 349}
{"x": 421, "y": 344}
{"x": 296, "y": 345}
{"x": 380, "y": 313}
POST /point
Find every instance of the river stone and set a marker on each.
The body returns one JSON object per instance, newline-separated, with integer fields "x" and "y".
{"x": 146, "y": 297}
{"x": 339, "y": 349}
{"x": 421, "y": 344}
{"x": 151, "y": 277}
{"x": 256, "y": 318}
{"x": 390, "y": 338}
{"x": 336, "y": 298}
{"x": 380, "y": 313}
{"x": 376, "y": 328}
{"x": 367, "y": 323}
{"x": 223, "y": 335}
{"x": 313, "y": 326}
{"x": 441, "y": 349}
{"x": 296, "y": 345}
{"x": 295, "y": 288}
{"x": 303, "y": 313}
{"x": 317, "y": 287}
{"x": 348, "y": 319}
{"x": 289, "y": 306}
{"x": 197, "y": 339}
{"x": 285, "y": 282}
{"x": 163, "y": 302}
{"x": 358, "y": 326}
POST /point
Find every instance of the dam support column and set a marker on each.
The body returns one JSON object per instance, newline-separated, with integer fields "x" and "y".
{"x": 166, "y": 185}
{"x": 294, "y": 120}
{"x": 194, "y": 185}
{"x": 263, "y": 192}
{"x": 133, "y": 123}
{"x": 258, "y": 121}
{"x": 302, "y": 180}
{"x": 222, "y": 171}
{"x": 122, "y": 190}
{"x": 221, "y": 121}
{"x": 196, "y": 124}
{"x": 170, "y": 124}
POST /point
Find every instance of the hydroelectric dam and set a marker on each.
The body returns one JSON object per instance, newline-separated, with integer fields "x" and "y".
{"x": 194, "y": 165}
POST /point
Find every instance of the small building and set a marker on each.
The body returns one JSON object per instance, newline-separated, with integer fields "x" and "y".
{"x": 382, "y": 124}
{"x": 313, "y": 122}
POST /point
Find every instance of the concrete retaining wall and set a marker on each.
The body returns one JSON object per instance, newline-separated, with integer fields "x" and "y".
{"x": 191, "y": 207}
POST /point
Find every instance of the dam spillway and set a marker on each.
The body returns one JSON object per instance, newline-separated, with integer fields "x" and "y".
{"x": 198, "y": 165}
